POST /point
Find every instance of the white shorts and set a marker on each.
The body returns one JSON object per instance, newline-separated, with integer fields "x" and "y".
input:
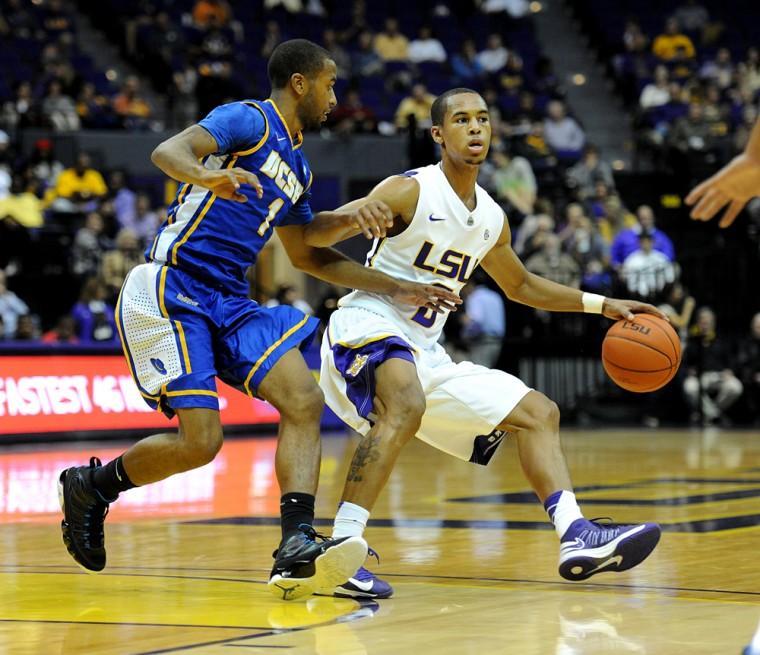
{"x": 465, "y": 402}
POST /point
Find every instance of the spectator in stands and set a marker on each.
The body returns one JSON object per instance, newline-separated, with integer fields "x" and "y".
{"x": 710, "y": 370}
{"x": 89, "y": 245}
{"x": 581, "y": 240}
{"x": 20, "y": 207}
{"x": 93, "y": 316}
{"x": 720, "y": 70}
{"x": 59, "y": 110}
{"x": 553, "y": 264}
{"x": 748, "y": 72}
{"x": 124, "y": 199}
{"x": 390, "y": 44}
{"x": 94, "y": 109}
{"x": 483, "y": 324}
{"x": 23, "y": 110}
{"x": 352, "y": 116}
{"x": 6, "y": 164}
{"x": 615, "y": 217}
{"x": 117, "y": 263}
{"x": 287, "y": 294}
{"x": 532, "y": 234}
{"x": 211, "y": 13}
{"x": 494, "y": 57}
{"x": 657, "y": 92}
{"x": 27, "y": 328}
{"x": 11, "y": 308}
{"x": 563, "y": 133}
{"x": 749, "y": 367}
{"x": 626, "y": 241}
{"x": 597, "y": 278}
{"x": 426, "y": 47}
{"x": 182, "y": 101}
{"x": 695, "y": 20}
{"x": 365, "y": 62}
{"x": 337, "y": 53}
{"x": 57, "y": 20}
{"x": 78, "y": 188}
{"x": 65, "y": 331}
{"x": 690, "y": 138}
{"x": 678, "y": 307}
{"x": 21, "y": 21}
{"x": 44, "y": 167}
{"x": 513, "y": 181}
{"x": 673, "y": 44}
{"x": 132, "y": 107}
{"x": 417, "y": 104}
{"x": 584, "y": 175}
{"x": 646, "y": 271}
{"x": 465, "y": 65}
{"x": 515, "y": 8}
{"x": 147, "y": 219}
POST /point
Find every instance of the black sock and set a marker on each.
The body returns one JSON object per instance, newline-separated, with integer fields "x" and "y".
{"x": 111, "y": 479}
{"x": 295, "y": 509}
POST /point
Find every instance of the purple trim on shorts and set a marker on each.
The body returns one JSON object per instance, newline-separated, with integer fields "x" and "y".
{"x": 357, "y": 366}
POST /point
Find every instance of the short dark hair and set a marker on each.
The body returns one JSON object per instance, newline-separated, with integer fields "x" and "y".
{"x": 295, "y": 56}
{"x": 438, "y": 110}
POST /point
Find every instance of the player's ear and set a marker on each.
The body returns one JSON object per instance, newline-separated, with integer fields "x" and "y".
{"x": 299, "y": 84}
{"x": 435, "y": 131}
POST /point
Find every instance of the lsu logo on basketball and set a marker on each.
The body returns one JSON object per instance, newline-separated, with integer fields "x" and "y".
{"x": 636, "y": 327}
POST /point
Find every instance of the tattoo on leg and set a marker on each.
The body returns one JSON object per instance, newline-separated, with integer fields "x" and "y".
{"x": 366, "y": 452}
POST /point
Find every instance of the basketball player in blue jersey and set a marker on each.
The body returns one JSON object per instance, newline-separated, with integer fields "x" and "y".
{"x": 385, "y": 374}
{"x": 184, "y": 317}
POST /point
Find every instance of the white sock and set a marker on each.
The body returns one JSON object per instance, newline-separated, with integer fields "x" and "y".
{"x": 350, "y": 521}
{"x": 563, "y": 511}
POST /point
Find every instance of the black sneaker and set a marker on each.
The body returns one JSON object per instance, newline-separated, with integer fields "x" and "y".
{"x": 303, "y": 564}
{"x": 84, "y": 511}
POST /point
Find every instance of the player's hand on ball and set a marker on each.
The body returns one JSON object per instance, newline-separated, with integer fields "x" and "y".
{"x": 617, "y": 309}
{"x": 428, "y": 296}
{"x": 226, "y": 183}
{"x": 373, "y": 218}
{"x": 732, "y": 186}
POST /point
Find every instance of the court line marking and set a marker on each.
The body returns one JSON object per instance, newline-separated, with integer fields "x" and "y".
{"x": 419, "y": 576}
{"x": 140, "y": 624}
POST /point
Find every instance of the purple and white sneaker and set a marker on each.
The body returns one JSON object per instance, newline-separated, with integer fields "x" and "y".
{"x": 590, "y": 547}
{"x": 364, "y": 584}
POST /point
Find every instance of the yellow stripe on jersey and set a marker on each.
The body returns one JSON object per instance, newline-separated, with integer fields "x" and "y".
{"x": 198, "y": 220}
{"x": 298, "y": 142}
{"x": 269, "y": 351}
{"x": 263, "y": 139}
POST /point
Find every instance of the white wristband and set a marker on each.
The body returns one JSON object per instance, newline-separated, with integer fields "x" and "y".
{"x": 592, "y": 303}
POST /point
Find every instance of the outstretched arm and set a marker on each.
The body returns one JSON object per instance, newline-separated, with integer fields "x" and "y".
{"x": 506, "y": 269}
{"x": 732, "y": 186}
{"x": 331, "y": 266}
{"x": 179, "y": 157}
{"x": 372, "y": 215}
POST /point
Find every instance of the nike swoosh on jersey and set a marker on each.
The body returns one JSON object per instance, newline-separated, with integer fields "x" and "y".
{"x": 434, "y": 218}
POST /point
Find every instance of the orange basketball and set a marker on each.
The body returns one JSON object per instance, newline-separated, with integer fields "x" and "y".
{"x": 643, "y": 354}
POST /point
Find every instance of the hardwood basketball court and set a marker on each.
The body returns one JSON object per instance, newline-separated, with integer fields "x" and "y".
{"x": 469, "y": 551}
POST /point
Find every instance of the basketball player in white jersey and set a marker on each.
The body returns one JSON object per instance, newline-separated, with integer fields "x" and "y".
{"x": 384, "y": 373}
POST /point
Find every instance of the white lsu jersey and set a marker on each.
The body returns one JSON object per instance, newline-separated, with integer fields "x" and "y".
{"x": 442, "y": 245}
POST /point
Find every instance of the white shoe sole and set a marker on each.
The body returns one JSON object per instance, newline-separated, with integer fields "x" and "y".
{"x": 332, "y": 568}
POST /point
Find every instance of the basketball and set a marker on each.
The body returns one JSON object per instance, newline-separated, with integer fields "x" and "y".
{"x": 641, "y": 355}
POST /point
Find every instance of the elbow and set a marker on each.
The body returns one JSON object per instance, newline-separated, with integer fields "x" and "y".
{"x": 156, "y": 157}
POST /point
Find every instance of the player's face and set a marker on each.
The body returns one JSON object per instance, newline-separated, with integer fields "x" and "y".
{"x": 320, "y": 98}
{"x": 466, "y": 129}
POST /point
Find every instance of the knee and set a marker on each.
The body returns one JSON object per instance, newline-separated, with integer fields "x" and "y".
{"x": 406, "y": 407}
{"x": 200, "y": 448}
{"x": 544, "y": 416}
{"x": 304, "y": 404}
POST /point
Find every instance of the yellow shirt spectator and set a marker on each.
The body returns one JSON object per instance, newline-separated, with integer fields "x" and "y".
{"x": 25, "y": 208}
{"x": 391, "y": 45}
{"x": 419, "y": 104}
{"x": 672, "y": 42}
{"x": 89, "y": 183}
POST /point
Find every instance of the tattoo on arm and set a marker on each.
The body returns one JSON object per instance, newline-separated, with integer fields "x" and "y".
{"x": 366, "y": 452}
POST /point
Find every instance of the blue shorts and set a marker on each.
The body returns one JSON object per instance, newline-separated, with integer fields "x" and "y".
{"x": 179, "y": 334}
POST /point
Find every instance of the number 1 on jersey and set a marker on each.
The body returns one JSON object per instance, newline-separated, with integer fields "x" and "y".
{"x": 274, "y": 207}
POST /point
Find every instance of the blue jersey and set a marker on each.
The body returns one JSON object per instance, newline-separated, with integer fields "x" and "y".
{"x": 216, "y": 240}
